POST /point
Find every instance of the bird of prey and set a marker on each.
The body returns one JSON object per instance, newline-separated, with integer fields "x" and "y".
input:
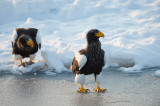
{"x": 25, "y": 44}
{"x": 89, "y": 60}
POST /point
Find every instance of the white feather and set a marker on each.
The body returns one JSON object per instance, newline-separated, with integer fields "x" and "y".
{"x": 38, "y": 38}
{"x": 98, "y": 78}
{"x": 14, "y": 37}
{"x": 82, "y": 59}
{"x": 16, "y": 57}
{"x": 32, "y": 56}
{"x": 79, "y": 79}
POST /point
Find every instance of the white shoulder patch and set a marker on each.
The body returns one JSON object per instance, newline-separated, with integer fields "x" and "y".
{"x": 14, "y": 37}
{"x": 38, "y": 38}
{"x": 82, "y": 59}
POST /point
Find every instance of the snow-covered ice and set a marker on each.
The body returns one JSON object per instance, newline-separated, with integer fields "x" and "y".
{"x": 53, "y": 62}
{"x": 157, "y": 73}
{"x": 131, "y": 28}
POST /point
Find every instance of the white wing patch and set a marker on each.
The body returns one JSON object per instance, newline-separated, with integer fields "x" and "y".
{"x": 38, "y": 38}
{"x": 82, "y": 59}
{"x": 14, "y": 37}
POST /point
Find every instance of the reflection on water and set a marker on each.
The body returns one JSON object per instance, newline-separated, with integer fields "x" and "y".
{"x": 26, "y": 88}
{"x": 90, "y": 99}
{"x": 19, "y": 91}
{"x": 124, "y": 89}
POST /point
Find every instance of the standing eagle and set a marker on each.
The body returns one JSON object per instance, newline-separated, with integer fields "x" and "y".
{"x": 25, "y": 43}
{"x": 89, "y": 60}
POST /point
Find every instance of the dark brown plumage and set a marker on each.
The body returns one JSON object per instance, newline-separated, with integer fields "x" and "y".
{"x": 94, "y": 54}
{"x": 89, "y": 60}
{"x": 25, "y": 42}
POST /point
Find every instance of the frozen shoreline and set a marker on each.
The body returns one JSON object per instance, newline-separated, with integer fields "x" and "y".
{"x": 132, "y": 39}
{"x": 137, "y": 89}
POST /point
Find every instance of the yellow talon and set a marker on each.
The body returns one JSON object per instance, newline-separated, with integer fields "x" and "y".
{"x": 82, "y": 90}
{"x": 21, "y": 63}
{"x": 31, "y": 61}
{"x": 98, "y": 89}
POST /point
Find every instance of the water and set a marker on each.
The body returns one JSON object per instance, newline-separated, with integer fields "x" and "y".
{"x": 136, "y": 89}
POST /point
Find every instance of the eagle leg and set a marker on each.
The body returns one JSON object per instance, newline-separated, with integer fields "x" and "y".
{"x": 21, "y": 63}
{"x": 31, "y": 61}
{"x": 98, "y": 89}
{"x": 82, "y": 90}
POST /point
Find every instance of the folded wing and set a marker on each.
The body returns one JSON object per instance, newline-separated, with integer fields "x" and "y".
{"x": 78, "y": 62}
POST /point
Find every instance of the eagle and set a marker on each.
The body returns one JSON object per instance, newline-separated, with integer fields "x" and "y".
{"x": 25, "y": 44}
{"x": 89, "y": 60}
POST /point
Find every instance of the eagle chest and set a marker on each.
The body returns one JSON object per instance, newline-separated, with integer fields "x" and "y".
{"x": 94, "y": 62}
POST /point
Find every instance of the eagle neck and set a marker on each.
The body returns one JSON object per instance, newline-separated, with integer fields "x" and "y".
{"x": 93, "y": 46}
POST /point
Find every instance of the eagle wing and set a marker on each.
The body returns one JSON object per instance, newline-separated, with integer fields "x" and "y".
{"x": 14, "y": 37}
{"x": 38, "y": 40}
{"x": 79, "y": 61}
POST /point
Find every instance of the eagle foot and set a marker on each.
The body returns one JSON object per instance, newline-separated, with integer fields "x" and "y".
{"x": 31, "y": 62}
{"x": 98, "y": 89}
{"x": 82, "y": 90}
{"x": 22, "y": 64}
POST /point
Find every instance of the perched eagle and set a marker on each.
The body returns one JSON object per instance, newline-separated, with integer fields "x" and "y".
{"x": 89, "y": 60}
{"x": 25, "y": 43}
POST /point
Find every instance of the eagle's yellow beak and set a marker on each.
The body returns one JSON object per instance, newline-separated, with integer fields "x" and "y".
{"x": 100, "y": 34}
{"x": 30, "y": 43}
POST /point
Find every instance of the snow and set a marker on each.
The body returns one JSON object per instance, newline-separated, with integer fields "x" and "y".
{"x": 131, "y": 29}
{"x": 157, "y": 73}
{"x": 53, "y": 62}
{"x": 29, "y": 68}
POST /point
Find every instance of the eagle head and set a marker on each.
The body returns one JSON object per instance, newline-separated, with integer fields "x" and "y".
{"x": 94, "y": 35}
{"x": 25, "y": 41}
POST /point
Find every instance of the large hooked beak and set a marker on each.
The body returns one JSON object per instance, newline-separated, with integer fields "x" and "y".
{"x": 30, "y": 43}
{"x": 100, "y": 34}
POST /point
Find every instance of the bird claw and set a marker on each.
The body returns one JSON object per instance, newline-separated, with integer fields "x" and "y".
{"x": 22, "y": 64}
{"x": 98, "y": 89}
{"x": 82, "y": 90}
{"x": 32, "y": 62}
